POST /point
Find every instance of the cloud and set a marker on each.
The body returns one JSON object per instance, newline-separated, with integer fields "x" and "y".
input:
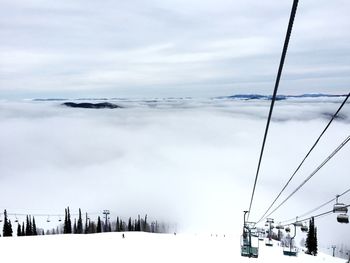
{"x": 187, "y": 161}
{"x": 177, "y": 48}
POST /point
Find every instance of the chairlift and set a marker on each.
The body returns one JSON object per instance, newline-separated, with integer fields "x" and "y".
{"x": 287, "y": 229}
{"x": 48, "y": 219}
{"x": 279, "y": 227}
{"x": 266, "y": 224}
{"x": 343, "y": 218}
{"x": 272, "y": 226}
{"x": 339, "y": 207}
{"x": 16, "y": 219}
{"x": 59, "y": 219}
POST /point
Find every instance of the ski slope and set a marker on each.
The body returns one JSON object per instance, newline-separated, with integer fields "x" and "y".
{"x": 140, "y": 247}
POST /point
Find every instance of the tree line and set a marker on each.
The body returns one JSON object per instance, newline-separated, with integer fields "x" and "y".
{"x": 77, "y": 226}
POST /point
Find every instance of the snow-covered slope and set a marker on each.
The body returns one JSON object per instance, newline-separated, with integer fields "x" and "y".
{"x": 140, "y": 247}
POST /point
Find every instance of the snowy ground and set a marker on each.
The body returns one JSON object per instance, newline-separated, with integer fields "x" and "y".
{"x": 140, "y": 247}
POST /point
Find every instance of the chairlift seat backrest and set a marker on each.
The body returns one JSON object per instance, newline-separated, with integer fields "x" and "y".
{"x": 343, "y": 218}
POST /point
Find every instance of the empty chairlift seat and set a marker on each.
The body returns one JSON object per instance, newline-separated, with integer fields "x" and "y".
{"x": 343, "y": 218}
{"x": 340, "y": 208}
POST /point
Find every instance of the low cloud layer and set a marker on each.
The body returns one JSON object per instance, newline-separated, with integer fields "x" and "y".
{"x": 191, "y": 162}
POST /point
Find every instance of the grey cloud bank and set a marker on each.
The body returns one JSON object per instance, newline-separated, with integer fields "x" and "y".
{"x": 170, "y": 48}
{"x": 191, "y": 161}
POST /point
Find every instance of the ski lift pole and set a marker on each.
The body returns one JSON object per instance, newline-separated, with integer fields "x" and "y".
{"x": 245, "y": 212}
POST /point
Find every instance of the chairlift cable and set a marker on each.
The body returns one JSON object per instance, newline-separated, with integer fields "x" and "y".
{"x": 283, "y": 56}
{"x": 317, "y": 208}
{"x": 318, "y": 215}
{"x": 307, "y": 155}
{"x": 313, "y": 173}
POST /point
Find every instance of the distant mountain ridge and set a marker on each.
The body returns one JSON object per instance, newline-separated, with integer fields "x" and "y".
{"x": 278, "y": 97}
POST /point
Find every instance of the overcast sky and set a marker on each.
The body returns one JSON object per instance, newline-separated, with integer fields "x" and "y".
{"x": 161, "y": 48}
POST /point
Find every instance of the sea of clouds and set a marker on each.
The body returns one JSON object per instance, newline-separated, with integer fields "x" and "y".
{"x": 191, "y": 162}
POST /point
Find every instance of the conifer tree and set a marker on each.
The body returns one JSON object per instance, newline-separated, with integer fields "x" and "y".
{"x": 75, "y": 227}
{"x": 69, "y": 222}
{"x": 311, "y": 239}
{"x": 67, "y": 229}
{"x": 99, "y": 225}
{"x": 10, "y": 228}
{"x": 117, "y": 229}
{"x": 86, "y": 224}
{"x": 80, "y": 224}
{"x": 28, "y": 227}
{"x": 19, "y": 230}
{"x": 129, "y": 225}
{"x": 23, "y": 231}
{"x": 7, "y": 227}
{"x": 315, "y": 244}
{"x": 34, "y": 232}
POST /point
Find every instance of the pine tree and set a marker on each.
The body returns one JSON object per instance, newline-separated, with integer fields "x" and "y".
{"x": 99, "y": 225}
{"x": 86, "y": 224}
{"x": 67, "y": 229}
{"x": 65, "y": 222}
{"x": 311, "y": 239}
{"x": 315, "y": 243}
{"x": 80, "y": 224}
{"x": 75, "y": 227}
{"x": 23, "y": 231}
{"x": 28, "y": 227}
{"x": 121, "y": 226}
{"x": 117, "y": 229}
{"x": 7, "y": 227}
{"x": 34, "y": 232}
{"x": 10, "y": 228}
{"x": 19, "y": 231}
{"x": 129, "y": 225}
{"x": 69, "y": 222}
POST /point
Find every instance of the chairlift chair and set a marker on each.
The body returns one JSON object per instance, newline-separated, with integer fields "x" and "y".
{"x": 287, "y": 229}
{"x": 48, "y": 219}
{"x": 343, "y": 218}
{"x": 16, "y": 219}
{"x": 340, "y": 208}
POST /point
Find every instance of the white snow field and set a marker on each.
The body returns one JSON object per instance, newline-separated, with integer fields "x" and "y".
{"x": 141, "y": 247}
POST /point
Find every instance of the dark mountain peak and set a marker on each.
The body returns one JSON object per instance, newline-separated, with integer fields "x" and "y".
{"x": 89, "y": 105}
